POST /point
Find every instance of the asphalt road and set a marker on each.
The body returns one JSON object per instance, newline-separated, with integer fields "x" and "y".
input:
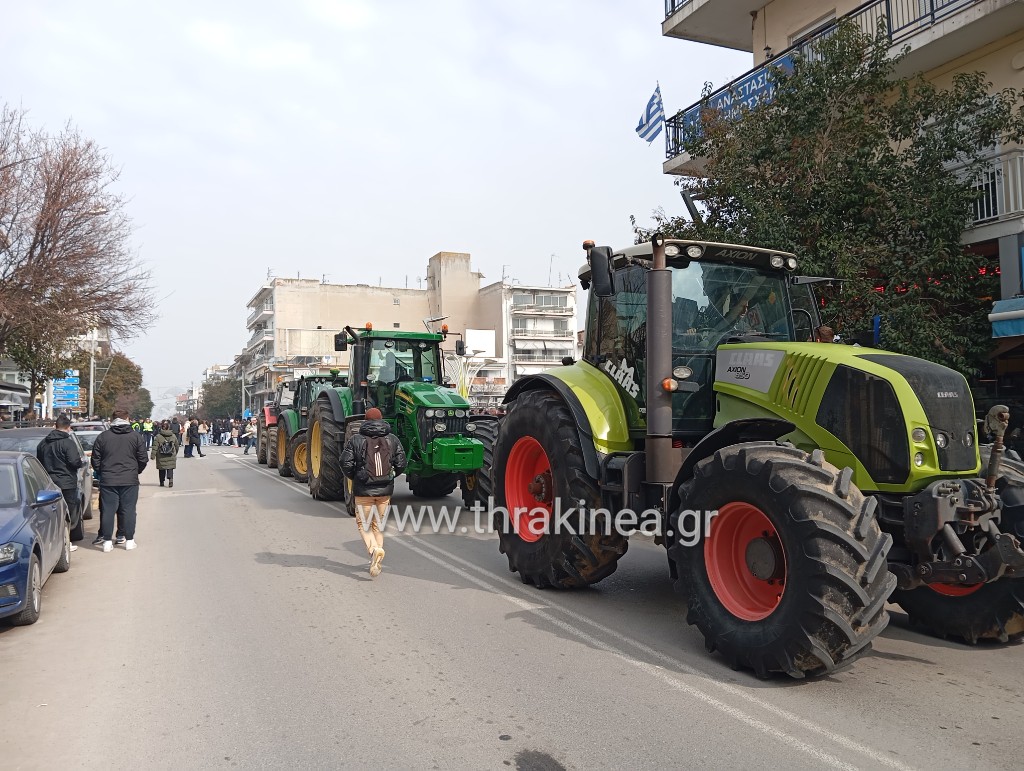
{"x": 246, "y": 632}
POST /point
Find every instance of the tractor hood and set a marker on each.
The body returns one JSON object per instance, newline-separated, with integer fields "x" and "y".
{"x": 429, "y": 395}
{"x": 898, "y": 421}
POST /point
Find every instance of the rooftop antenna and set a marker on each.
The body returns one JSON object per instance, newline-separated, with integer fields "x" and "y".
{"x": 324, "y": 279}
{"x": 551, "y": 263}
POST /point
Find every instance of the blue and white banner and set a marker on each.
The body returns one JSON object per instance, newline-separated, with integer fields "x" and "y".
{"x": 653, "y": 119}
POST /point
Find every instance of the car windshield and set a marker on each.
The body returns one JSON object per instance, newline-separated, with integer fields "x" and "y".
{"x": 395, "y": 360}
{"x": 9, "y": 491}
{"x": 87, "y": 438}
{"x": 20, "y": 443}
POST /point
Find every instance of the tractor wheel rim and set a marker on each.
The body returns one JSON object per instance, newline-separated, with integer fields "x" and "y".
{"x": 300, "y": 459}
{"x": 314, "y": 449}
{"x": 528, "y": 471}
{"x": 739, "y": 530}
{"x": 282, "y": 445}
{"x": 955, "y": 590}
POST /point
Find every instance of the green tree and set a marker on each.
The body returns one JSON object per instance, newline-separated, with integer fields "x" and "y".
{"x": 41, "y": 352}
{"x": 138, "y": 403}
{"x": 869, "y": 177}
{"x": 119, "y": 378}
{"x": 221, "y": 398}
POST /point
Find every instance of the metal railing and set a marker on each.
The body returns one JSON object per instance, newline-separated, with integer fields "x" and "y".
{"x": 902, "y": 18}
{"x": 265, "y": 307}
{"x": 527, "y": 332}
{"x": 1001, "y": 188}
{"x": 540, "y": 357}
{"x": 258, "y": 336}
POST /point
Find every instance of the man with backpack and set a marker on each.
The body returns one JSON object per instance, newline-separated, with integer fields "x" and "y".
{"x": 165, "y": 453}
{"x": 372, "y": 459}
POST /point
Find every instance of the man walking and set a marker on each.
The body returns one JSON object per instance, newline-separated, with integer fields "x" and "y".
{"x": 249, "y": 436}
{"x": 372, "y": 459}
{"x": 60, "y": 456}
{"x": 193, "y": 440}
{"x": 119, "y": 455}
{"x": 165, "y": 453}
{"x": 147, "y": 431}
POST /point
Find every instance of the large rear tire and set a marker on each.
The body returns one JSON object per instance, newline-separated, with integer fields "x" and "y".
{"x": 298, "y": 456}
{"x": 540, "y": 427}
{"x": 437, "y": 486}
{"x": 791, "y": 576}
{"x": 272, "y": 447}
{"x": 351, "y": 429}
{"x": 993, "y": 611}
{"x": 261, "y": 444}
{"x": 326, "y": 479}
{"x": 283, "y": 466}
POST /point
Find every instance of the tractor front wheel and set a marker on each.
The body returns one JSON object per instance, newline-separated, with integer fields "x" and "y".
{"x": 351, "y": 429}
{"x": 437, "y": 486}
{"x": 326, "y": 479}
{"x": 477, "y": 486}
{"x": 272, "y": 447}
{"x": 790, "y": 575}
{"x": 283, "y": 466}
{"x": 298, "y": 456}
{"x": 529, "y": 492}
{"x": 261, "y": 446}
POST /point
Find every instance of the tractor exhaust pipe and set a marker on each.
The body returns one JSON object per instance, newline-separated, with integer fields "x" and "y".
{"x": 662, "y": 465}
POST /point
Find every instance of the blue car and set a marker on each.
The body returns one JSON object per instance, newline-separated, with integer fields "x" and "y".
{"x": 35, "y": 536}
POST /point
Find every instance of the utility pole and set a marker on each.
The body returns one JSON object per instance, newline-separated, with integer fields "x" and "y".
{"x": 92, "y": 371}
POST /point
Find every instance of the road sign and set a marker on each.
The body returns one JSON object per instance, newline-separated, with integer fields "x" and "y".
{"x": 67, "y": 381}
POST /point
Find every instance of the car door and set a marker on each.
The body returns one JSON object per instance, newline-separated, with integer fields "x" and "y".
{"x": 41, "y": 518}
{"x": 53, "y": 514}
{"x": 84, "y": 475}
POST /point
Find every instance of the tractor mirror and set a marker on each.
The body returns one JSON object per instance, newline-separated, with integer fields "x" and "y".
{"x": 341, "y": 342}
{"x": 601, "y": 271}
{"x": 460, "y": 347}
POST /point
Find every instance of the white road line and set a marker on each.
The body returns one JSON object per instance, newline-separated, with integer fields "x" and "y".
{"x": 650, "y": 669}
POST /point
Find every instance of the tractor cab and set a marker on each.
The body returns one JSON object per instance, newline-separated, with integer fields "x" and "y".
{"x": 719, "y": 294}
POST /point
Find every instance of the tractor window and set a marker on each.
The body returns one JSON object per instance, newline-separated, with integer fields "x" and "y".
{"x": 617, "y": 338}
{"x": 392, "y": 361}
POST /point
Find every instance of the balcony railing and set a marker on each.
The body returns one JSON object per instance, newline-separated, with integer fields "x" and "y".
{"x": 902, "y": 18}
{"x": 540, "y": 356}
{"x": 521, "y": 332}
{"x": 265, "y": 307}
{"x": 1001, "y": 187}
{"x": 259, "y": 336}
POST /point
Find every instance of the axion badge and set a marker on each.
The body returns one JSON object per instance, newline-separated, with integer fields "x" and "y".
{"x": 623, "y": 375}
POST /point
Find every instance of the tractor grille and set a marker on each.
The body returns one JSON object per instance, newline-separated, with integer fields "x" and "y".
{"x": 861, "y": 411}
{"x": 947, "y": 403}
{"x": 453, "y": 426}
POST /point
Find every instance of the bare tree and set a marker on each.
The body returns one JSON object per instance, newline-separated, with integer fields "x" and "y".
{"x": 66, "y": 263}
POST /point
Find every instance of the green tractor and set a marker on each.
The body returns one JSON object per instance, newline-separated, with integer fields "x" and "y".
{"x": 293, "y": 417}
{"x": 794, "y": 484}
{"x": 400, "y": 373}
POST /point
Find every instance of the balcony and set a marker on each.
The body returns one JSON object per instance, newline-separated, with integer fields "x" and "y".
{"x": 540, "y": 356}
{"x": 526, "y": 332}
{"x": 262, "y": 312}
{"x": 534, "y": 309}
{"x": 1002, "y": 189}
{"x": 935, "y": 31}
{"x": 258, "y": 337}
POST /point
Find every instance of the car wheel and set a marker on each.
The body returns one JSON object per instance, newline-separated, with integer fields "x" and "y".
{"x": 64, "y": 561}
{"x": 33, "y": 595}
{"x": 87, "y": 508}
{"x": 78, "y": 530}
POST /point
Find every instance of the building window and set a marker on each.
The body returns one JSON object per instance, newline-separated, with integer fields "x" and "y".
{"x": 398, "y": 325}
{"x": 396, "y": 301}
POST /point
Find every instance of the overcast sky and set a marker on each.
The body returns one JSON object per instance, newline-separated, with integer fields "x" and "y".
{"x": 353, "y": 138}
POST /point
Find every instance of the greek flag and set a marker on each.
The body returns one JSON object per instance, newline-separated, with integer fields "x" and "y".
{"x": 653, "y": 118}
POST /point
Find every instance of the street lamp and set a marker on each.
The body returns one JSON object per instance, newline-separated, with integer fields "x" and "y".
{"x": 92, "y": 371}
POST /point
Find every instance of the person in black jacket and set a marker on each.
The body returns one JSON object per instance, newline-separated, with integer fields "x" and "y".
{"x": 193, "y": 440}
{"x": 373, "y": 492}
{"x": 119, "y": 455}
{"x": 61, "y": 458}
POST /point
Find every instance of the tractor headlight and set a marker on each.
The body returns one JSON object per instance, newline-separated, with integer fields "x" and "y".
{"x": 429, "y": 413}
{"x": 460, "y": 413}
{"x": 682, "y": 373}
{"x": 919, "y": 459}
{"x": 471, "y": 427}
{"x": 777, "y": 261}
{"x": 672, "y": 250}
{"x": 918, "y": 435}
{"x": 440, "y": 428}
{"x": 941, "y": 440}
{"x": 791, "y": 263}
{"x": 694, "y": 252}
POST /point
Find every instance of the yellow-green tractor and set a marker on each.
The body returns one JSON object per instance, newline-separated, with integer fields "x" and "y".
{"x": 795, "y": 484}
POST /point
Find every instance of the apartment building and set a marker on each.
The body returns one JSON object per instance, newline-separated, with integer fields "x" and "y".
{"x": 944, "y": 37}
{"x": 292, "y": 323}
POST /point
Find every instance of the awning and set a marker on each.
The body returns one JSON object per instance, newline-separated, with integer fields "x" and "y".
{"x": 529, "y": 345}
{"x": 1007, "y": 317}
{"x": 9, "y": 397}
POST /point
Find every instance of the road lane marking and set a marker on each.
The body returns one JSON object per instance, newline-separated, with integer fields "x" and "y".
{"x": 655, "y": 671}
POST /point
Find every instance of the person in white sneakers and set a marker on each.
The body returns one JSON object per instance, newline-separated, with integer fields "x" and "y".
{"x": 119, "y": 456}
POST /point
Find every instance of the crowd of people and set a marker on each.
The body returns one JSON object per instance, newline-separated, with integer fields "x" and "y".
{"x": 192, "y": 433}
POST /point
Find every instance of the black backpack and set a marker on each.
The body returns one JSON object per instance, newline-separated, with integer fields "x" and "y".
{"x": 377, "y": 461}
{"x": 166, "y": 447}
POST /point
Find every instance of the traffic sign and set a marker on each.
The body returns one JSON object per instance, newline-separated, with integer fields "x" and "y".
{"x": 67, "y": 380}
{"x": 71, "y": 373}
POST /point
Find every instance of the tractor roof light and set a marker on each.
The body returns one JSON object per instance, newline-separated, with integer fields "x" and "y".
{"x": 672, "y": 250}
{"x": 669, "y": 385}
{"x": 777, "y": 261}
{"x": 791, "y": 263}
{"x": 694, "y": 252}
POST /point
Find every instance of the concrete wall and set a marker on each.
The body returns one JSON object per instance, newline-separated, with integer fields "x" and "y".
{"x": 492, "y": 314}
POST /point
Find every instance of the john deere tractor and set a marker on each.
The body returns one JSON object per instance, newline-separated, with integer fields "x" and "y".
{"x": 401, "y": 374}
{"x": 794, "y": 484}
{"x": 293, "y": 417}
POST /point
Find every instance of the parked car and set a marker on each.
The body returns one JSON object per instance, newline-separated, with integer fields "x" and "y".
{"x": 27, "y": 440}
{"x": 90, "y": 425}
{"x": 35, "y": 535}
